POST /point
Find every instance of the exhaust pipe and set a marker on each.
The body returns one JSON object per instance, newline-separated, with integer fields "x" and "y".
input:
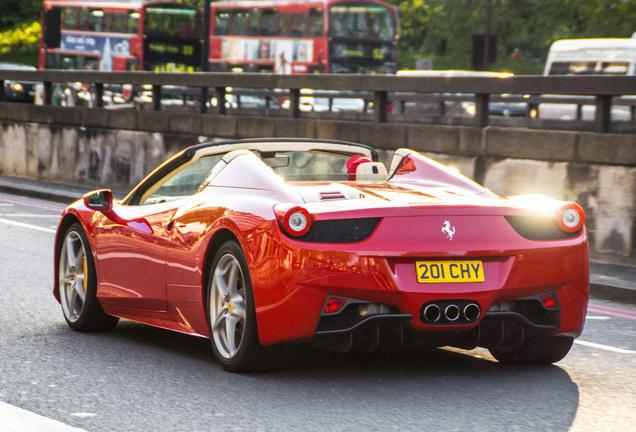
{"x": 451, "y": 312}
{"x": 472, "y": 312}
{"x": 432, "y": 313}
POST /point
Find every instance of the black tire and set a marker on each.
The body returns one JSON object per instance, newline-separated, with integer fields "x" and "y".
{"x": 536, "y": 350}
{"x": 232, "y": 316}
{"x": 80, "y": 306}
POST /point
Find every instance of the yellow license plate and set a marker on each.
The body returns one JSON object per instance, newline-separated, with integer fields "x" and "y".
{"x": 449, "y": 271}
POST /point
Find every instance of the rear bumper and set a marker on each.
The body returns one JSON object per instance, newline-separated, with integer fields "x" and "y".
{"x": 290, "y": 292}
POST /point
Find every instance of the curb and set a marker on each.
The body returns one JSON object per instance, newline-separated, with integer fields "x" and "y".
{"x": 39, "y": 194}
{"x": 613, "y": 293}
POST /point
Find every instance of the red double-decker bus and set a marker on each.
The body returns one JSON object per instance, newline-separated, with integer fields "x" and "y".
{"x": 325, "y": 36}
{"x": 118, "y": 35}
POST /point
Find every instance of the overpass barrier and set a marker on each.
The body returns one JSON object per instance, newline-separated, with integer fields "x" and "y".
{"x": 383, "y": 93}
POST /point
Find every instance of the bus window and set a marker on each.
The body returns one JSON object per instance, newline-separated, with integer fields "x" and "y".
{"x": 132, "y": 65}
{"x": 171, "y": 22}
{"x": 268, "y": 22}
{"x": 83, "y": 19}
{"x": 221, "y": 22}
{"x": 315, "y": 22}
{"x": 68, "y": 62}
{"x": 239, "y": 22}
{"x": 133, "y": 22}
{"x": 254, "y": 22}
{"x": 354, "y": 20}
{"x": 298, "y": 25}
{"x": 119, "y": 22}
{"x": 107, "y": 21}
{"x": 282, "y": 24}
{"x": 52, "y": 61}
{"x": 70, "y": 18}
{"x": 95, "y": 20}
{"x": 88, "y": 63}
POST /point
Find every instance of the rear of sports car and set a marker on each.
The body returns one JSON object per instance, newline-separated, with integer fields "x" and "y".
{"x": 379, "y": 266}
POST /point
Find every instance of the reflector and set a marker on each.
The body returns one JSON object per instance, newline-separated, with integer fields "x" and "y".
{"x": 549, "y": 300}
{"x": 334, "y": 305}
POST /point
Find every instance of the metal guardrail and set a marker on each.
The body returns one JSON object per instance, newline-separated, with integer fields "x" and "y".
{"x": 600, "y": 91}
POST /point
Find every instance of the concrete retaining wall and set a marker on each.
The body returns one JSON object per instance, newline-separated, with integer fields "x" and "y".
{"x": 118, "y": 148}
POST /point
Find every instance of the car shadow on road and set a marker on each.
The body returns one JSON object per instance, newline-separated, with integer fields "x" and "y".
{"x": 434, "y": 389}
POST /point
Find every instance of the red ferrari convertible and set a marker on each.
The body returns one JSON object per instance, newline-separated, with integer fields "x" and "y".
{"x": 267, "y": 245}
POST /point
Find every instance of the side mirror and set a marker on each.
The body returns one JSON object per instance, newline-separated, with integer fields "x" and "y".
{"x": 102, "y": 201}
{"x": 99, "y": 200}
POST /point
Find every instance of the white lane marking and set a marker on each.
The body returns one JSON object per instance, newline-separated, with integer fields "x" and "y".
{"x": 14, "y": 419}
{"x": 604, "y": 347}
{"x": 594, "y": 317}
{"x": 83, "y": 414}
{"x": 30, "y": 215}
{"x": 28, "y": 226}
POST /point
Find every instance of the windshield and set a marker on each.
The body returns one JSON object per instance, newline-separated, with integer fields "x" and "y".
{"x": 172, "y": 22}
{"x": 361, "y": 21}
{"x": 293, "y": 166}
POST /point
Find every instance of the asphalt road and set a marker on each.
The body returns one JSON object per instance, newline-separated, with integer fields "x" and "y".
{"x": 137, "y": 378}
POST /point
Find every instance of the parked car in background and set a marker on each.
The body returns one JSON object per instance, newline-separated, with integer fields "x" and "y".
{"x": 463, "y": 104}
{"x": 18, "y": 91}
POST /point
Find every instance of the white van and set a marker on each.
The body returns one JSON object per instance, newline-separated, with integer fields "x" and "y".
{"x": 609, "y": 56}
{"x": 612, "y": 56}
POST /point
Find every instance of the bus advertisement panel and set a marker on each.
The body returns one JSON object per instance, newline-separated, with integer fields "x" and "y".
{"x": 314, "y": 36}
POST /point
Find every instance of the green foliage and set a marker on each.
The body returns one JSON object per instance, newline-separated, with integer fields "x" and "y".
{"x": 14, "y": 13}
{"x": 442, "y": 30}
{"x": 20, "y": 45}
{"x": 20, "y": 38}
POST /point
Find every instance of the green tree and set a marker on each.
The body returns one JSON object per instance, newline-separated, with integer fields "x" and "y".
{"x": 14, "y": 13}
{"x": 442, "y": 30}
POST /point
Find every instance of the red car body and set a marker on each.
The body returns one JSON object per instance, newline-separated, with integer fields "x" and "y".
{"x": 421, "y": 255}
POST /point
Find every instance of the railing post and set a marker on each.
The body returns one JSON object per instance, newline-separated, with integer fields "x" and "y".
{"x": 48, "y": 93}
{"x": 203, "y": 101}
{"x": 380, "y": 106}
{"x": 221, "y": 92}
{"x": 579, "y": 111}
{"x": 156, "y": 97}
{"x": 603, "y": 117}
{"x": 294, "y": 103}
{"x": 3, "y": 94}
{"x": 481, "y": 109}
{"x": 99, "y": 95}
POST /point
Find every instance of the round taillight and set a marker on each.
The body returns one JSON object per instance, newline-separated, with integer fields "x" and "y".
{"x": 296, "y": 221}
{"x": 570, "y": 217}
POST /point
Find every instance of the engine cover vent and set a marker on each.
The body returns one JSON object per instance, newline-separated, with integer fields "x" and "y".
{"x": 331, "y": 195}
